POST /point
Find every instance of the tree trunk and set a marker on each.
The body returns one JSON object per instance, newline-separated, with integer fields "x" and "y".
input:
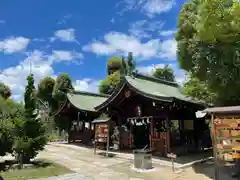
{"x": 20, "y": 160}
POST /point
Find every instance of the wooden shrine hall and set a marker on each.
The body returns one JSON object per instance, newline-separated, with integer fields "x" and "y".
{"x": 146, "y": 112}
{"x": 154, "y": 113}
{"x": 79, "y": 112}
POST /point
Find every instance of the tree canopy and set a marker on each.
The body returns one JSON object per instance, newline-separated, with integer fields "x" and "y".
{"x": 114, "y": 64}
{"x": 208, "y": 46}
{"x": 116, "y": 67}
{"x": 166, "y": 73}
{"x": 62, "y": 86}
{"x": 5, "y": 91}
{"x": 198, "y": 90}
{"x": 9, "y": 110}
{"x": 45, "y": 89}
{"x": 110, "y": 83}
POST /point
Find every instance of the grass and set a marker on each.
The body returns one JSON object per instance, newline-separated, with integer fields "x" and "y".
{"x": 39, "y": 169}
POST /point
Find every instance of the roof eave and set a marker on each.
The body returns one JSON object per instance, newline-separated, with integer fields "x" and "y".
{"x": 81, "y": 109}
{"x": 150, "y": 96}
{"x": 111, "y": 97}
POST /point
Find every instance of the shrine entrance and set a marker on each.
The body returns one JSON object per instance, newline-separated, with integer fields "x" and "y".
{"x": 140, "y": 131}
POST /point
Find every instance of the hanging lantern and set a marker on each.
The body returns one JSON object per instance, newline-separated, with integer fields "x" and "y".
{"x": 138, "y": 111}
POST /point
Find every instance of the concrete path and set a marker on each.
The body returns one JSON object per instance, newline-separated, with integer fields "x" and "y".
{"x": 73, "y": 176}
{"x": 88, "y": 166}
{"x": 97, "y": 167}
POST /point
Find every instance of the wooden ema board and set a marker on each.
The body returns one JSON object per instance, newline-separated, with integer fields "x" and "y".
{"x": 101, "y": 133}
{"x": 227, "y": 136}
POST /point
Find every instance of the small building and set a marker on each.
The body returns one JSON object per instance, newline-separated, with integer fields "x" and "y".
{"x": 79, "y": 108}
{"x": 225, "y": 125}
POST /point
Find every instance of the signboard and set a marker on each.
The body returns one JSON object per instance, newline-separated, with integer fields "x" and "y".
{"x": 171, "y": 155}
{"x": 227, "y": 136}
{"x": 101, "y": 133}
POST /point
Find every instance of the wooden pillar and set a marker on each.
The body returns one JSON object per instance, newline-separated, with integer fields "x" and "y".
{"x": 94, "y": 130}
{"x": 108, "y": 138}
{"x": 216, "y": 168}
{"x": 151, "y": 132}
{"x": 167, "y": 135}
{"x": 130, "y": 135}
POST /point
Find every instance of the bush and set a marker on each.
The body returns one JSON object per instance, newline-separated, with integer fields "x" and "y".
{"x": 6, "y": 137}
{"x": 52, "y": 138}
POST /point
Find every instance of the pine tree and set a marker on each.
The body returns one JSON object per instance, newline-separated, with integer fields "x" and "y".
{"x": 30, "y": 132}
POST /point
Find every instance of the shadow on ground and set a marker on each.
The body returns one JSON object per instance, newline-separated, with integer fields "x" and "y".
{"x": 110, "y": 155}
{"x": 190, "y": 157}
{"x": 226, "y": 171}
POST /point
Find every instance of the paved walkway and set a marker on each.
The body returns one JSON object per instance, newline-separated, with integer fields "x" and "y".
{"x": 97, "y": 167}
{"x": 73, "y": 176}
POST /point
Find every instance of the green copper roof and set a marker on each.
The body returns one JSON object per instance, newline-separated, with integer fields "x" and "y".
{"x": 156, "y": 88}
{"x": 101, "y": 119}
{"x": 86, "y": 101}
{"x": 150, "y": 87}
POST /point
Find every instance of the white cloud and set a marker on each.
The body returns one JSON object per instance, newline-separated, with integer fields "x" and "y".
{"x": 168, "y": 49}
{"x": 15, "y": 76}
{"x": 61, "y": 55}
{"x": 149, "y": 7}
{"x": 119, "y": 43}
{"x": 152, "y": 7}
{"x": 149, "y": 69}
{"x": 180, "y": 75}
{"x": 67, "y": 35}
{"x": 14, "y": 44}
{"x": 144, "y": 28}
{"x": 89, "y": 85}
{"x": 41, "y": 66}
{"x": 167, "y": 32}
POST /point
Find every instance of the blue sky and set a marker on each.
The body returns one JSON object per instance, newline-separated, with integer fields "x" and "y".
{"x": 78, "y": 37}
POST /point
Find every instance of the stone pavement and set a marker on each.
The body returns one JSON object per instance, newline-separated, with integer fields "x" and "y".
{"x": 88, "y": 166}
{"x": 72, "y": 176}
{"x": 99, "y": 167}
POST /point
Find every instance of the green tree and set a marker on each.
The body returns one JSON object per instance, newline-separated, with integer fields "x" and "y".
{"x": 165, "y": 73}
{"x": 45, "y": 89}
{"x": 5, "y": 91}
{"x": 62, "y": 86}
{"x": 116, "y": 68}
{"x": 209, "y": 47}
{"x": 6, "y": 137}
{"x": 114, "y": 64}
{"x": 131, "y": 64}
{"x": 108, "y": 85}
{"x": 10, "y": 109}
{"x": 29, "y": 131}
{"x": 6, "y": 126}
{"x": 198, "y": 90}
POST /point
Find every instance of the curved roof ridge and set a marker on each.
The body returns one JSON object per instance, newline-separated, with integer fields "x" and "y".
{"x": 154, "y": 79}
{"x": 113, "y": 94}
{"x": 89, "y": 93}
